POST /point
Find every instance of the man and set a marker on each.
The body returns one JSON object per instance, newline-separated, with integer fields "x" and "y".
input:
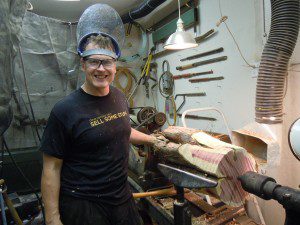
{"x": 85, "y": 147}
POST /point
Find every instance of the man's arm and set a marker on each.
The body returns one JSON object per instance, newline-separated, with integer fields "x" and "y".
{"x": 50, "y": 187}
{"x": 139, "y": 138}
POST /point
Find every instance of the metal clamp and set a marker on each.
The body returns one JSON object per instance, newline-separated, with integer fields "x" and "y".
{"x": 163, "y": 66}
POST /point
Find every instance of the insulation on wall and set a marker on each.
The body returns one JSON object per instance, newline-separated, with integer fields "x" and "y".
{"x": 11, "y": 14}
{"x": 46, "y": 69}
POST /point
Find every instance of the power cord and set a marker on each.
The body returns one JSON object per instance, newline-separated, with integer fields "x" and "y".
{"x": 23, "y": 175}
{"x": 223, "y": 20}
{"x": 27, "y": 93}
{"x": 22, "y": 99}
{"x": 2, "y": 159}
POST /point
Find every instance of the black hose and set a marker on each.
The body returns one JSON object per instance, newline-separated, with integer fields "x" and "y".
{"x": 275, "y": 59}
{"x": 142, "y": 10}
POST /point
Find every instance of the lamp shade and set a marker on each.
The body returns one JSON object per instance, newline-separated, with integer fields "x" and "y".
{"x": 180, "y": 39}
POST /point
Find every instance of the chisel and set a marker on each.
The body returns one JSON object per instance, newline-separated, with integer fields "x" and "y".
{"x": 197, "y": 117}
{"x": 205, "y": 79}
{"x": 189, "y": 75}
{"x": 222, "y": 58}
{"x": 203, "y": 54}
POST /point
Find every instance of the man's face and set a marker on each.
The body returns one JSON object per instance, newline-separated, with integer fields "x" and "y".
{"x": 99, "y": 74}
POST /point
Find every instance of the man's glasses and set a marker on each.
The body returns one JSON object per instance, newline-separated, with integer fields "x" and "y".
{"x": 96, "y": 63}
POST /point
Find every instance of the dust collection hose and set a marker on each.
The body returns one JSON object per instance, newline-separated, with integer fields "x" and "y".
{"x": 142, "y": 10}
{"x": 274, "y": 61}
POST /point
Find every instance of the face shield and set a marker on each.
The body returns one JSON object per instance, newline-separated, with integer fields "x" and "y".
{"x": 100, "y": 19}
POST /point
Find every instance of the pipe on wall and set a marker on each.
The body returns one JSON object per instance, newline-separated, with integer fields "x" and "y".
{"x": 274, "y": 61}
{"x": 142, "y": 10}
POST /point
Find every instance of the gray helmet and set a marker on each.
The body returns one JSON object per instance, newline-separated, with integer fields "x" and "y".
{"x": 100, "y": 19}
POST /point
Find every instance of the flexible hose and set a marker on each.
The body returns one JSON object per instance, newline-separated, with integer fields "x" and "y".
{"x": 274, "y": 61}
{"x": 142, "y": 10}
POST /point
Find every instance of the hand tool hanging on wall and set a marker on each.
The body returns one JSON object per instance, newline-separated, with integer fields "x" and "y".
{"x": 189, "y": 75}
{"x": 188, "y": 95}
{"x": 166, "y": 83}
{"x": 146, "y": 83}
{"x": 197, "y": 117}
{"x": 203, "y": 54}
{"x": 144, "y": 73}
{"x": 205, "y": 36}
{"x": 218, "y": 59}
{"x": 205, "y": 79}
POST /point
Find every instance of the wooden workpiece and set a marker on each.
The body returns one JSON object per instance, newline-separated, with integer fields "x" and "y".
{"x": 196, "y": 149}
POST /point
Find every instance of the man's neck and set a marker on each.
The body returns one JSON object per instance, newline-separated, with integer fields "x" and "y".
{"x": 95, "y": 91}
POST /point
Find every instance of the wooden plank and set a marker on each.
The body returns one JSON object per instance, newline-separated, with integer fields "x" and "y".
{"x": 199, "y": 202}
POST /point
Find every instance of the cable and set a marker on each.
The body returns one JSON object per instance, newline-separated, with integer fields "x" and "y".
{"x": 264, "y": 18}
{"x": 26, "y": 88}
{"x": 22, "y": 99}
{"x": 2, "y": 209}
{"x": 167, "y": 109}
{"x": 25, "y": 178}
{"x": 2, "y": 159}
{"x": 238, "y": 47}
{"x": 128, "y": 74}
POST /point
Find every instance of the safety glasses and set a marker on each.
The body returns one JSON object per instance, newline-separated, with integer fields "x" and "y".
{"x": 96, "y": 63}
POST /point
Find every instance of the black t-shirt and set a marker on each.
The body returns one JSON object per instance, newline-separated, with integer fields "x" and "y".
{"x": 91, "y": 135}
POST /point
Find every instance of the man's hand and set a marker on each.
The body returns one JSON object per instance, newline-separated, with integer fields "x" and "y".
{"x": 159, "y": 141}
{"x": 54, "y": 221}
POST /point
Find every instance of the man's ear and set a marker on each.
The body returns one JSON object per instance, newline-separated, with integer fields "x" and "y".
{"x": 83, "y": 66}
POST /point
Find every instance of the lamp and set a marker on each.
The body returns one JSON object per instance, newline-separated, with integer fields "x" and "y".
{"x": 180, "y": 39}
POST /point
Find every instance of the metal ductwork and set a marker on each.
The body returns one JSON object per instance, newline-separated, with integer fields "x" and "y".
{"x": 275, "y": 59}
{"x": 142, "y": 10}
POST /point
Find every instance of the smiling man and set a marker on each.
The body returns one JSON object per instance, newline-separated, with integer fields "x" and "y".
{"x": 85, "y": 145}
{"x": 100, "y": 69}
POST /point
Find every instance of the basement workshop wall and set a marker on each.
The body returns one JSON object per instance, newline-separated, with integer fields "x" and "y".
{"x": 235, "y": 95}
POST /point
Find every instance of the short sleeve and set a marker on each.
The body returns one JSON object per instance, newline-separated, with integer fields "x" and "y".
{"x": 55, "y": 138}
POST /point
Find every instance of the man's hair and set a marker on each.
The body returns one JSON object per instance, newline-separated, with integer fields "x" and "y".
{"x": 100, "y": 41}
